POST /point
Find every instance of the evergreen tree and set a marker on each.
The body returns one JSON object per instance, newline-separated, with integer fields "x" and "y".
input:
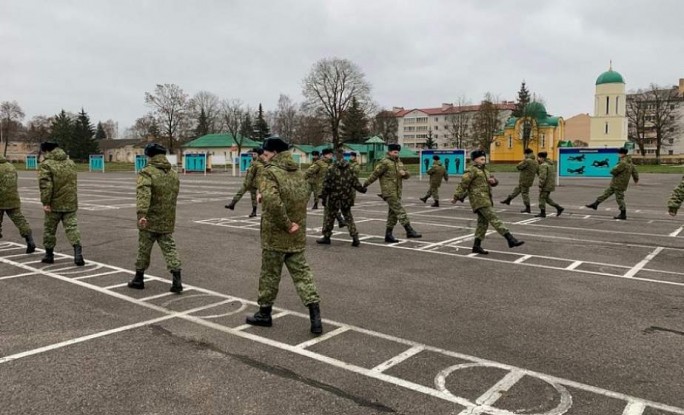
{"x": 100, "y": 133}
{"x": 84, "y": 143}
{"x": 261, "y": 130}
{"x": 354, "y": 127}
{"x": 523, "y": 100}
{"x": 246, "y": 127}
{"x": 63, "y": 131}
{"x": 430, "y": 141}
{"x": 202, "y": 124}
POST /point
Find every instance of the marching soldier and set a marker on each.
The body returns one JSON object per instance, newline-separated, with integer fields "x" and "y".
{"x": 311, "y": 180}
{"x": 10, "y": 203}
{"x": 676, "y": 199}
{"x": 528, "y": 169}
{"x": 156, "y": 194}
{"x": 284, "y": 196}
{"x": 391, "y": 172}
{"x": 619, "y": 183}
{"x": 316, "y": 173}
{"x": 356, "y": 168}
{"x": 547, "y": 184}
{"x": 437, "y": 172}
{"x": 477, "y": 184}
{"x": 250, "y": 182}
{"x": 58, "y": 193}
{"x": 338, "y": 195}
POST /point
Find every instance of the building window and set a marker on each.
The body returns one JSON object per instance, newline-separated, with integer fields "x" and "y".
{"x": 510, "y": 141}
{"x": 607, "y": 104}
{"x": 617, "y": 104}
{"x": 436, "y": 127}
{"x": 421, "y": 119}
{"x": 670, "y": 152}
{"x": 436, "y": 119}
{"x": 606, "y": 128}
{"x": 543, "y": 140}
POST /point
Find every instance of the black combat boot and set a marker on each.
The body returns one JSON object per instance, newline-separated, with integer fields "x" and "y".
{"x": 622, "y": 215}
{"x": 389, "y": 238}
{"x": 506, "y": 201}
{"x": 261, "y": 317}
{"x": 315, "y": 317}
{"x": 324, "y": 240}
{"x": 435, "y": 204}
{"x": 176, "y": 286}
{"x": 411, "y": 233}
{"x": 138, "y": 281}
{"x": 527, "y": 209}
{"x": 78, "y": 256}
{"x": 340, "y": 220}
{"x": 559, "y": 210}
{"x": 30, "y": 245}
{"x": 512, "y": 242}
{"x": 355, "y": 240}
{"x": 541, "y": 214}
{"x": 49, "y": 257}
{"x": 253, "y": 214}
{"x": 593, "y": 205}
{"x": 231, "y": 205}
{"x": 477, "y": 247}
{"x": 315, "y": 205}
{"x": 423, "y": 199}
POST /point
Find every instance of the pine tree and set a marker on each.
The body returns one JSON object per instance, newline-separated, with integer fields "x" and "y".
{"x": 100, "y": 133}
{"x": 354, "y": 127}
{"x": 63, "y": 131}
{"x": 430, "y": 141}
{"x": 84, "y": 143}
{"x": 523, "y": 100}
{"x": 261, "y": 130}
{"x": 202, "y": 124}
{"x": 246, "y": 127}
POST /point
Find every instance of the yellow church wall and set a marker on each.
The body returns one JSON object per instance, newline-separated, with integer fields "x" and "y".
{"x": 507, "y": 146}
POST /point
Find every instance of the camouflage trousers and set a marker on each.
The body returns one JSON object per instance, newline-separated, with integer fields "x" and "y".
{"x": 619, "y": 197}
{"x": 70, "y": 224}
{"x": 525, "y": 190}
{"x": 485, "y": 216}
{"x": 271, "y": 270}
{"x": 395, "y": 212}
{"x": 315, "y": 190}
{"x": 544, "y": 198}
{"x": 146, "y": 241}
{"x": 434, "y": 192}
{"x": 242, "y": 191}
{"x": 331, "y": 213}
{"x": 19, "y": 221}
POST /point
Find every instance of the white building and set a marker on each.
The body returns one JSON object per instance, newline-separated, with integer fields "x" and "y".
{"x": 608, "y": 125}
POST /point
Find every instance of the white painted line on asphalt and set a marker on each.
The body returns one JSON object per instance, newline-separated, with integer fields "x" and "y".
{"x": 446, "y": 242}
{"x": 398, "y": 359}
{"x": 96, "y": 275}
{"x": 574, "y": 265}
{"x": 322, "y": 338}
{"x": 522, "y": 259}
{"x": 677, "y": 232}
{"x": 494, "y": 393}
{"x": 634, "y": 408}
{"x": 586, "y": 217}
{"x": 123, "y": 284}
{"x": 273, "y": 317}
{"x": 10, "y": 248}
{"x": 9, "y": 277}
{"x": 632, "y": 272}
{"x": 527, "y": 221}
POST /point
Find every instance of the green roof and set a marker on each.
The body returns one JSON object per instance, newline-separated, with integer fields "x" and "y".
{"x": 359, "y": 148}
{"x": 374, "y": 140}
{"x": 219, "y": 140}
{"x": 511, "y": 121}
{"x": 306, "y": 148}
{"x": 610, "y": 77}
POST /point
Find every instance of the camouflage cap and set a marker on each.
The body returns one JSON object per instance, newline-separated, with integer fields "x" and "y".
{"x": 327, "y": 151}
{"x": 542, "y": 154}
{"x": 477, "y": 154}
{"x": 275, "y": 144}
{"x": 258, "y": 150}
{"x": 152, "y": 149}
{"x": 48, "y": 146}
{"x": 623, "y": 150}
{"x": 394, "y": 147}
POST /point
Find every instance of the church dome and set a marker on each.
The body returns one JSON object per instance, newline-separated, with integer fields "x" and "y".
{"x": 610, "y": 77}
{"x": 535, "y": 109}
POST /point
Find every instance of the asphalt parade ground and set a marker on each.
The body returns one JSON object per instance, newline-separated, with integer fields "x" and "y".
{"x": 587, "y": 317}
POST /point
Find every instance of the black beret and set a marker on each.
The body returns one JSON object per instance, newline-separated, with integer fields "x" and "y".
{"x": 623, "y": 150}
{"x": 48, "y": 146}
{"x": 435, "y": 157}
{"x": 275, "y": 144}
{"x": 258, "y": 150}
{"x": 152, "y": 149}
{"x": 327, "y": 151}
{"x": 542, "y": 154}
{"x": 528, "y": 151}
{"x": 394, "y": 147}
{"x": 353, "y": 153}
{"x": 315, "y": 153}
{"x": 477, "y": 153}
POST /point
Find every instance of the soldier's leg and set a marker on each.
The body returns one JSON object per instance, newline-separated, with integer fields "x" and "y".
{"x": 543, "y": 197}
{"x": 239, "y": 194}
{"x": 391, "y": 216}
{"x": 253, "y": 194}
{"x": 71, "y": 228}
{"x": 620, "y": 199}
{"x": 525, "y": 190}
{"x": 398, "y": 211}
{"x": 514, "y": 193}
{"x": 52, "y": 219}
{"x": 168, "y": 248}
{"x": 271, "y": 268}
{"x": 328, "y": 220}
{"x": 20, "y": 221}
{"x": 435, "y": 193}
{"x": 482, "y": 225}
{"x": 302, "y": 277}
{"x": 609, "y": 191}
{"x": 551, "y": 202}
{"x": 2, "y": 216}
{"x": 491, "y": 217}
{"x": 145, "y": 243}
{"x": 347, "y": 214}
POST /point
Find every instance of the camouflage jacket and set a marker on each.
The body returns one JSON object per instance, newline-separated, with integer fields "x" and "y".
{"x": 388, "y": 171}
{"x": 528, "y": 169}
{"x": 340, "y": 184}
{"x": 677, "y": 198}
{"x": 622, "y": 172}
{"x": 253, "y": 174}
{"x": 57, "y": 181}
{"x": 437, "y": 172}
{"x": 356, "y": 166}
{"x": 315, "y": 174}
{"x": 547, "y": 176}
{"x": 9, "y": 193}
{"x": 156, "y": 193}
{"x": 284, "y": 196}
{"x": 475, "y": 185}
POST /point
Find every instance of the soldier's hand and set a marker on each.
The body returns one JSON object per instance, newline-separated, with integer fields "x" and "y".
{"x": 142, "y": 223}
{"x": 402, "y": 173}
{"x": 47, "y": 209}
{"x": 293, "y": 228}
{"x": 672, "y": 212}
{"x": 363, "y": 190}
{"x": 258, "y": 197}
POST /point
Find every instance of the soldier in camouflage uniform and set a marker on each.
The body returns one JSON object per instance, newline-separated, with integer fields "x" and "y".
{"x": 437, "y": 172}
{"x": 338, "y": 195}
{"x": 547, "y": 184}
{"x": 619, "y": 183}
{"x": 528, "y": 169}
{"x": 315, "y": 174}
{"x": 477, "y": 184}
{"x": 156, "y": 193}
{"x": 676, "y": 199}
{"x": 311, "y": 180}
{"x": 10, "y": 203}
{"x": 251, "y": 181}
{"x": 58, "y": 194}
{"x": 392, "y": 173}
{"x": 284, "y": 196}
{"x": 356, "y": 168}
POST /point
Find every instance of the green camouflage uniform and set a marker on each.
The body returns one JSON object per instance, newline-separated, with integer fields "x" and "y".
{"x": 58, "y": 189}
{"x": 10, "y": 202}
{"x": 437, "y": 172}
{"x": 315, "y": 175}
{"x": 155, "y": 195}
{"x": 547, "y": 184}
{"x": 356, "y": 168}
{"x": 620, "y": 181}
{"x": 528, "y": 169}
{"x": 387, "y": 170}
{"x": 251, "y": 182}
{"x": 676, "y": 199}
{"x": 284, "y": 196}
{"x": 338, "y": 194}
{"x": 475, "y": 185}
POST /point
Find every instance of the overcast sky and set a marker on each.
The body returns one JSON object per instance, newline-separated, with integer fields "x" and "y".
{"x": 104, "y": 55}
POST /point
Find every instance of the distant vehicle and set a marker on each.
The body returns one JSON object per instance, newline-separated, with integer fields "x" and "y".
{"x": 601, "y": 163}
{"x": 577, "y": 171}
{"x": 576, "y": 158}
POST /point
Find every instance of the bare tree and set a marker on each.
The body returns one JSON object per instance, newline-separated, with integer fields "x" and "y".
{"x": 171, "y": 108}
{"x": 285, "y": 117}
{"x": 486, "y": 123}
{"x": 11, "y": 116}
{"x": 663, "y": 116}
{"x": 637, "y": 113}
{"x": 385, "y": 125}
{"x": 310, "y": 129}
{"x": 210, "y": 104}
{"x": 233, "y": 115}
{"x": 329, "y": 88}
{"x": 111, "y": 129}
{"x": 459, "y": 124}
{"x": 39, "y": 129}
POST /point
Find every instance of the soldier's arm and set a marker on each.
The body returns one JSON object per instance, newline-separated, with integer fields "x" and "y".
{"x": 635, "y": 174}
{"x": 379, "y": 170}
{"x": 273, "y": 205}
{"x": 312, "y": 171}
{"x": 327, "y": 184}
{"x": 619, "y": 168}
{"x": 45, "y": 184}
{"x": 249, "y": 177}
{"x": 521, "y": 166}
{"x": 431, "y": 171}
{"x": 462, "y": 188}
{"x": 676, "y": 199}
{"x": 143, "y": 194}
{"x": 543, "y": 174}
